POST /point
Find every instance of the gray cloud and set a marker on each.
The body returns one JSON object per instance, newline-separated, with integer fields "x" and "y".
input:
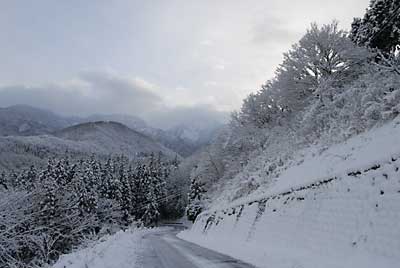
{"x": 274, "y": 31}
{"x": 90, "y": 93}
{"x": 197, "y": 52}
{"x": 200, "y": 116}
{"x": 106, "y": 93}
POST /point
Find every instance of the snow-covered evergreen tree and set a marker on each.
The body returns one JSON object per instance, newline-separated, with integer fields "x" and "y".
{"x": 3, "y": 181}
{"x": 151, "y": 209}
{"x": 63, "y": 202}
{"x": 380, "y": 26}
{"x": 126, "y": 199}
{"x": 195, "y": 196}
{"x": 106, "y": 177}
{"x": 49, "y": 189}
{"x": 27, "y": 179}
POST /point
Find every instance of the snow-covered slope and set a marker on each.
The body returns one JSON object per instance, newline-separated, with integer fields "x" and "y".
{"x": 318, "y": 162}
{"x": 113, "y": 137}
{"x": 83, "y": 140}
{"x": 18, "y": 152}
{"x": 339, "y": 207}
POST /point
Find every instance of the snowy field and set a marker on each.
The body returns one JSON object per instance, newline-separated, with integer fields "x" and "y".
{"x": 121, "y": 250}
{"x": 337, "y": 208}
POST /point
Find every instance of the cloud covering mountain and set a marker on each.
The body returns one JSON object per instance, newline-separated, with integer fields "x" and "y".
{"x": 106, "y": 92}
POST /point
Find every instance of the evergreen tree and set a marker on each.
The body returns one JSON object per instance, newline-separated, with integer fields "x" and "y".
{"x": 138, "y": 191}
{"x": 106, "y": 178}
{"x": 13, "y": 180}
{"x": 31, "y": 176}
{"x": 48, "y": 204}
{"x": 151, "y": 210}
{"x": 126, "y": 200}
{"x": 26, "y": 179}
{"x": 3, "y": 181}
{"x": 67, "y": 201}
{"x": 380, "y": 26}
{"x": 154, "y": 189}
{"x": 195, "y": 196}
{"x": 86, "y": 188}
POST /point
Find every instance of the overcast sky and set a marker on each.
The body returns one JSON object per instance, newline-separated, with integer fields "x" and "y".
{"x": 143, "y": 57}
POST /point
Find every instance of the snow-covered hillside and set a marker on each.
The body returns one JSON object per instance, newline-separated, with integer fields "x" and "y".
{"x": 184, "y": 139}
{"x": 319, "y": 161}
{"x": 113, "y": 137}
{"x": 17, "y": 152}
{"x": 83, "y": 140}
{"x": 22, "y": 120}
{"x": 338, "y": 207}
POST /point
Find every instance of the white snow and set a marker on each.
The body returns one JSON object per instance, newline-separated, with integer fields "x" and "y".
{"x": 349, "y": 221}
{"x": 316, "y": 163}
{"x": 121, "y": 250}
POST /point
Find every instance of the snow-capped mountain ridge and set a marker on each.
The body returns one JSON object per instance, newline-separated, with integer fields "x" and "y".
{"x": 24, "y": 120}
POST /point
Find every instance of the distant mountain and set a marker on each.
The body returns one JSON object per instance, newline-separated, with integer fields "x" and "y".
{"x": 112, "y": 137}
{"x": 18, "y": 152}
{"x": 186, "y": 139}
{"x": 182, "y": 138}
{"x": 82, "y": 140}
{"x": 23, "y": 120}
{"x": 133, "y": 122}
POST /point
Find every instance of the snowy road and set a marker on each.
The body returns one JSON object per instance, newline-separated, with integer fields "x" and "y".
{"x": 165, "y": 250}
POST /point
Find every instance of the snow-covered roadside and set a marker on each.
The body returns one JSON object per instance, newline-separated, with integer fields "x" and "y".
{"x": 317, "y": 163}
{"x": 340, "y": 208}
{"x": 266, "y": 255}
{"x": 121, "y": 250}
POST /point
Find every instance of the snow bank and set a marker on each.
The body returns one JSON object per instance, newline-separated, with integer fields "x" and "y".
{"x": 121, "y": 250}
{"x": 317, "y": 164}
{"x": 340, "y": 208}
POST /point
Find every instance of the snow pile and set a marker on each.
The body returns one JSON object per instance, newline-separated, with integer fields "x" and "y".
{"x": 338, "y": 209}
{"x": 121, "y": 250}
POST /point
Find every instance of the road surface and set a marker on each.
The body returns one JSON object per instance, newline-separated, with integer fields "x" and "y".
{"x": 165, "y": 250}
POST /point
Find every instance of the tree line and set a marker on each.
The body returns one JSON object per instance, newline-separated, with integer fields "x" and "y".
{"x": 46, "y": 212}
{"x": 331, "y": 85}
